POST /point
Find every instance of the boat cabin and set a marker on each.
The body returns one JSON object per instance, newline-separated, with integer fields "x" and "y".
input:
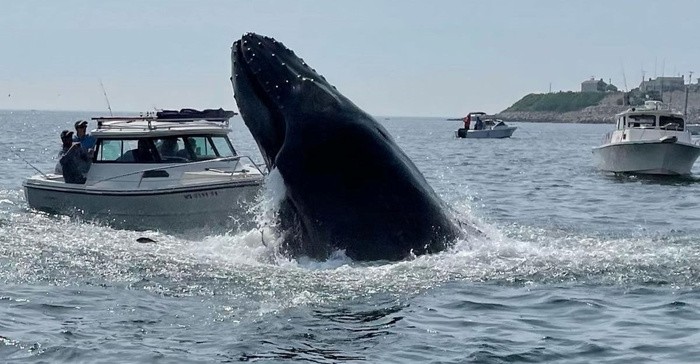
{"x": 651, "y": 116}
{"x": 165, "y": 138}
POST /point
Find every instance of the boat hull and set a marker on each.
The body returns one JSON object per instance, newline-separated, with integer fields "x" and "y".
{"x": 171, "y": 208}
{"x": 655, "y": 157}
{"x": 496, "y": 133}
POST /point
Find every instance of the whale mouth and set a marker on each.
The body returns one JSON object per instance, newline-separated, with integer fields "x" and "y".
{"x": 269, "y": 79}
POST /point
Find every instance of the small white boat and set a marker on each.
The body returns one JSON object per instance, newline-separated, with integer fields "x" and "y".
{"x": 694, "y": 129}
{"x": 488, "y": 128}
{"x": 173, "y": 169}
{"x": 648, "y": 140}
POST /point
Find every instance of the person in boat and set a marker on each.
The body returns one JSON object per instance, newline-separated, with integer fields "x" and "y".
{"x": 81, "y": 136}
{"x": 189, "y": 150}
{"x": 75, "y": 164}
{"x": 168, "y": 148}
{"x": 467, "y": 121}
{"x": 143, "y": 153}
{"x": 66, "y": 143}
{"x": 479, "y": 124}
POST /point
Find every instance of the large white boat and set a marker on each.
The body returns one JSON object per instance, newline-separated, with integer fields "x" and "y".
{"x": 648, "y": 140}
{"x": 487, "y": 128}
{"x": 172, "y": 169}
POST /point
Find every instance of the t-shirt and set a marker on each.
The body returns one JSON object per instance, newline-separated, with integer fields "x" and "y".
{"x": 87, "y": 141}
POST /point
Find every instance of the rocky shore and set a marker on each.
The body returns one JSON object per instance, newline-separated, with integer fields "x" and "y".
{"x": 605, "y": 111}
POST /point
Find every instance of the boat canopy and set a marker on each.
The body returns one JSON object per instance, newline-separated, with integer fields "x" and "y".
{"x": 182, "y": 115}
{"x": 165, "y": 122}
{"x": 192, "y": 114}
{"x": 650, "y": 116}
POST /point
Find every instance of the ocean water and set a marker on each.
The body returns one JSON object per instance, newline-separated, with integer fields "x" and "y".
{"x": 575, "y": 266}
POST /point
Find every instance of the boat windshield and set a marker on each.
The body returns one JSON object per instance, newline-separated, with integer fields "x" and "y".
{"x": 170, "y": 149}
{"x": 671, "y": 122}
{"x": 641, "y": 121}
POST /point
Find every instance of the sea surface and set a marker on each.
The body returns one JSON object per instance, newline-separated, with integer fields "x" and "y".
{"x": 575, "y": 266}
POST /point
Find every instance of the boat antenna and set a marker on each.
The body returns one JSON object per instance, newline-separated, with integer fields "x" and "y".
{"x": 109, "y": 107}
{"x": 624, "y": 77}
{"x": 26, "y": 161}
{"x": 687, "y": 89}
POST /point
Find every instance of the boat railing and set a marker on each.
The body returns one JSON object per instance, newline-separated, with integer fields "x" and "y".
{"x": 187, "y": 164}
{"x": 119, "y": 123}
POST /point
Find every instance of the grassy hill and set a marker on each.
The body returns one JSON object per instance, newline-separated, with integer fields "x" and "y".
{"x": 557, "y": 102}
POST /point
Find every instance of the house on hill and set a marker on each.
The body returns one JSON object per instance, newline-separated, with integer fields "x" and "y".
{"x": 594, "y": 85}
{"x": 663, "y": 84}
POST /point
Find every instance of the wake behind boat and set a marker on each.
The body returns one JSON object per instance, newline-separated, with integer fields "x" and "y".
{"x": 175, "y": 168}
{"x": 648, "y": 140}
{"x": 486, "y": 128}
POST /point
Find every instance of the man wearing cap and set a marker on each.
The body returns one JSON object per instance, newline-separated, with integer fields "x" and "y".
{"x": 81, "y": 136}
{"x": 66, "y": 143}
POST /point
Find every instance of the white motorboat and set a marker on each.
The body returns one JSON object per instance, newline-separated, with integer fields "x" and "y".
{"x": 694, "y": 129}
{"x": 648, "y": 140}
{"x": 488, "y": 128}
{"x": 172, "y": 169}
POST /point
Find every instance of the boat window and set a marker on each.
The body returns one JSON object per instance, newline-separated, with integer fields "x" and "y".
{"x": 641, "y": 121}
{"x": 671, "y": 122}
{"x": 172, "y": 149}
{"x": 223, "y": 146}
{"x": 168, "y": 149}
{"x": 208, "y": 147}
{"x": 198, "y": 147}
{"x": 126, "y": 151}
{"x": 109, "y": 150}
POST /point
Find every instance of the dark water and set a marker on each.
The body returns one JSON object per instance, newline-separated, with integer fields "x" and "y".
{"x": 576, "y": 266}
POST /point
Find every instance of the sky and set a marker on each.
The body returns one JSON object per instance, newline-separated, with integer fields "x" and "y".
{"x": 438, "y": 58}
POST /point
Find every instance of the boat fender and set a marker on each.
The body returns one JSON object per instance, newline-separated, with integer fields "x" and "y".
{"x": 669, "y": 139}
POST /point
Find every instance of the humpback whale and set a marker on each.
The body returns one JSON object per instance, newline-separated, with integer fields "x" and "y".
{"x": 348, "y": 184}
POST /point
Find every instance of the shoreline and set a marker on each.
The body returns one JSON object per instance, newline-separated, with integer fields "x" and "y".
{"x": 605, "y": 111}
{"x": 573, "y": 117}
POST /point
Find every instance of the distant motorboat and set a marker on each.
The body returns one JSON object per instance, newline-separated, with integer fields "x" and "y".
{"x": 486, "y": 128}
{"x": 648, "y": 140}
{"x": 693, "y": 128}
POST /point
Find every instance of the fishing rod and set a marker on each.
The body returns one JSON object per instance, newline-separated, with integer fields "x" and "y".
{"x": 106, "y": 98}
{"x": 26, "y": 161}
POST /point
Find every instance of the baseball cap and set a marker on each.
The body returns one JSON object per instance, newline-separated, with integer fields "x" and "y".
{"x": 66, "y": 134}
{"x": 80, "y": 123}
